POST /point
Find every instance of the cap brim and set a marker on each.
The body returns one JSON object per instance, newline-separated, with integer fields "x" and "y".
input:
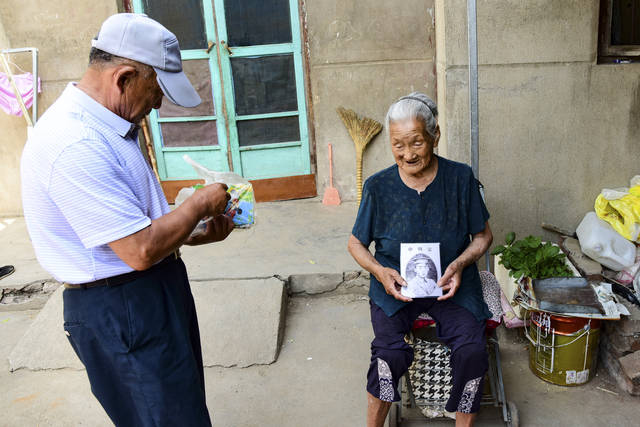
{"x": 177, "y": 88}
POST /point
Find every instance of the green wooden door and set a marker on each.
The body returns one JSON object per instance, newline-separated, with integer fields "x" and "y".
{"x": 261, "y": 65}
{"x": 253, "y": 117}
{"x": 199, "y": 132}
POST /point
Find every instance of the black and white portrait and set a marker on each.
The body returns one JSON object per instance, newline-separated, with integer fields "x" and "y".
{"x": 421, "y": 271}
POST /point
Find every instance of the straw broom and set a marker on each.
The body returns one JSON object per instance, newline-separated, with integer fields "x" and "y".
{"x": 362, "y": 130}
{"x": 149, "y": 145}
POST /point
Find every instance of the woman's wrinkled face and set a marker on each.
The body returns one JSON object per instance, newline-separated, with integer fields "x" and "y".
{"x": 412, "y": 146}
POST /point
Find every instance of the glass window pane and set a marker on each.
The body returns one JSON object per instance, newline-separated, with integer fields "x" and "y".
{"x": 268, "y": 131}
{"x": 197, "y": 70}
{"x": 625, "y": 22}
{"x": 189, "y": 134}
{"x": 255, "y": 22}
{"x": 183, "y": 18}
{"x": 264, "y": 84}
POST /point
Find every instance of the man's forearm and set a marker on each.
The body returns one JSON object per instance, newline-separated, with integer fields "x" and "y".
{"x": 165, "y": 234}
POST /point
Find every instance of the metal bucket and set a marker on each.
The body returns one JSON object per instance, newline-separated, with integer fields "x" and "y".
{"x": 563, "y": 350}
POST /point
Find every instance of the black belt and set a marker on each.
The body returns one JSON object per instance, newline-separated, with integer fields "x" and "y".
{"x": 123, "y": 278}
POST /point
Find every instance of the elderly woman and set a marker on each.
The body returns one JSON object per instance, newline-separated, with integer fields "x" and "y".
{"x": 423, "y": 198}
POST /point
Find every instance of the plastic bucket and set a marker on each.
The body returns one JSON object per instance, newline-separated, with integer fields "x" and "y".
{"x": 563, "y": 350}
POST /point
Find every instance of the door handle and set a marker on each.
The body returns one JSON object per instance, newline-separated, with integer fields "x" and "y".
{"x": 226, "y": 46}
{"x": 210, "y": 46}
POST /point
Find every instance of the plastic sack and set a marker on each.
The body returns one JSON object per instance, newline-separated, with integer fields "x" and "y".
{"x": 627, "y": 275}
{"x": 509, "y": 317}
{"x": 242, "y": 203}
{"x": 620, "y": 207}
{"x": 602, "y": 243}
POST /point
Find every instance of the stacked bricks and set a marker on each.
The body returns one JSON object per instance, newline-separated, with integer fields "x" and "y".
{"x": 620, "y": 350}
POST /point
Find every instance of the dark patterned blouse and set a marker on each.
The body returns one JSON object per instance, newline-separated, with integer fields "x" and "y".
{"x": 448, "y": 211}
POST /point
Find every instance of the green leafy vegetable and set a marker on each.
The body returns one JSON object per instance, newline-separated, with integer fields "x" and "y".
{"x": 530, "y": 257}
{"x": 511, "y": 236}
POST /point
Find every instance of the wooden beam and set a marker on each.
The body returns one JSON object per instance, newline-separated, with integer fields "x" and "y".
{"x": 287, "y": 188}
{"x": 171, "y": 188}
{"x": 266, "y": 190}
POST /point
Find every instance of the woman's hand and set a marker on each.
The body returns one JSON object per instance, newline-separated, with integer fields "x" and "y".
{"x": 450, "y": 280}
{"x": 390, "y": 278}
{"x": 392, "y": 282}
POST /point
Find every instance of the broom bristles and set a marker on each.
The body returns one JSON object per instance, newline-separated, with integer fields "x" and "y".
{"x": 362, "y": 130}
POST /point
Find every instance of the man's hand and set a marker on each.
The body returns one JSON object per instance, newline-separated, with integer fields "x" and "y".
{"x": 218, "y": 229}
{"x": 392, "y": 282}
{"x": 450, "y": 280}
{"x": 213, "y": 199}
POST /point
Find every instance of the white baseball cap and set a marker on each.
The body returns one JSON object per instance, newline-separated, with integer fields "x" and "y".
{"x": 136, "y": 36}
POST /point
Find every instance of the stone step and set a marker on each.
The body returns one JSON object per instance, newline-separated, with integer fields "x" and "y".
{"x": 241, "y": 324}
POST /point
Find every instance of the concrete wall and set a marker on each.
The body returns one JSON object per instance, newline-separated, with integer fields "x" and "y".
{"x": 555, "y": 127}
{"x": 4, "y": 41}
{"x": 363, "y": 56}
{"x": 62, "y": 31}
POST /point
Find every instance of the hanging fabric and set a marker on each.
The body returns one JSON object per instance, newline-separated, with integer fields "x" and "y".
{"x": 8, "y": 101}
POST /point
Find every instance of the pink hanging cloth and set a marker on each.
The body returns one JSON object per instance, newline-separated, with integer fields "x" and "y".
{"x": 8, "y": 101}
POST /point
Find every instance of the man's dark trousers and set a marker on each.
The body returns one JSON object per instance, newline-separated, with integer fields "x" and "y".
{"x": 140, "y": 344}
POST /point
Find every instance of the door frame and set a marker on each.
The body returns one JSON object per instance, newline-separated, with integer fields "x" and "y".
{"x": 304, "y": 186}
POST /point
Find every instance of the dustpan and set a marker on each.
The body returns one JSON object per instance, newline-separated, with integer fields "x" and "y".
{"x": 331, "y": 195}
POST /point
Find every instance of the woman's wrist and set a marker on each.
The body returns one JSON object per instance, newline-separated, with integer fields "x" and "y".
{"x": 376, "y": 270}
{"x": 461, "y": 263}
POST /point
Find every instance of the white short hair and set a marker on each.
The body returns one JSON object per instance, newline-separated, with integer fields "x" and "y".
{"x": 416, "y": 106}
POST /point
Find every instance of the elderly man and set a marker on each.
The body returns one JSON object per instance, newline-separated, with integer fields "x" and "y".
{"x": 100, "y": 224}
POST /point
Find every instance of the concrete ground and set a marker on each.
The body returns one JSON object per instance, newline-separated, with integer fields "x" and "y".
{"x": 318, "y": 380}
{"x": 318, "y": 377}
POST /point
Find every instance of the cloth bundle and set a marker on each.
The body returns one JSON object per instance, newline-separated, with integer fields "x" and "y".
{"x": 8, "y": 101}
{"x": 628, "y": 275}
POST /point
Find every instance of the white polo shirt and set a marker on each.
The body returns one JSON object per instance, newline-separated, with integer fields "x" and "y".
{"x": 85, "y": 184}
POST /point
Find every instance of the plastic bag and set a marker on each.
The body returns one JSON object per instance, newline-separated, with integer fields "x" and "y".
{"x": 627, "y": 275}
{"x": 242, "y": 203}
{"x": 509, "y": 316}
{"x": 621, "y": 208}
